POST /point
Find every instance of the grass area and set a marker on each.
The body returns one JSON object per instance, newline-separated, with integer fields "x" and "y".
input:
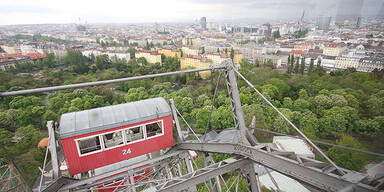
{"x": 265, "y": 139}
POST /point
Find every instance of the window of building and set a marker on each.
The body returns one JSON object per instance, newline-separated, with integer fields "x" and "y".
{"x": 113, "y": 139}
{"x": 89, "y": 145}
{"x": 154, "y": 129}
{"x": 134, "y": 134}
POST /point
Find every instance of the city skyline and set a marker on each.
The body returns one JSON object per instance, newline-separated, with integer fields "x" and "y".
{"x": 117, "y": 11}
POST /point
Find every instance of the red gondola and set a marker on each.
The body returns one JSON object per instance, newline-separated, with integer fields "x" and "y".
{"x": 95, "y": 138}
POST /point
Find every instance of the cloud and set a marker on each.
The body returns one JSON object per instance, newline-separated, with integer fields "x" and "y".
{"x": 59, "y": 11}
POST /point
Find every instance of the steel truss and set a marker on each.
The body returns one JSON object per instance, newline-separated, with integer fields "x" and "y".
{"x": 203, "y": 174}
{"x": 317, "y": 174}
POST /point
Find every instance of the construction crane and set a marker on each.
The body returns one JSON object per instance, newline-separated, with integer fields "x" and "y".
{"x": 176, "y": 169}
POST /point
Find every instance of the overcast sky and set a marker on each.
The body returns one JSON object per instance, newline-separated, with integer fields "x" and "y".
{"x": 138, "y": 11}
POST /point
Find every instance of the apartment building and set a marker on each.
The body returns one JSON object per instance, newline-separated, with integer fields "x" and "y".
{"x": 216, "y": 58}
{"x": 190, "y": 51}
{"x": 368, "y": 64}
{"x": 150, "y": 56}
{"x": 197, "y": 62}
{"x": 9, "y": 60}
{"x": 170, "y": 52}
{"x": 334, "y": 49}
{"x": 347, "y": 62}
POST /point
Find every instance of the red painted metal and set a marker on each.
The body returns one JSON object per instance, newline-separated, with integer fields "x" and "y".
{"x": 77, "y": 164}
{"x": 120, "y": 184}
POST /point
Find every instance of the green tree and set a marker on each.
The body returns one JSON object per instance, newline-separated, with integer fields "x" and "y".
{"x": 222, "y": 118}
{"x": 287, "y": 103}
{"x": 301, "y": 105}
{"x": 49, "y": 61}
{"x": 181, "y": 52}
{"x": 311, "y": 65}
{"x": 76, "y": 60}
{"x": 132, "y": 52}
{"x": 5, "y": 137}
{"x": 280, "y": 124}
{"x": 136, "y": 94}
{"x": 289, "y": 70}
{"x": 292, "y": 63}
{"x": 346, "y": 158}
{"x": 201, "y": 117}
{"x": 333, "y": 122}
{"x": 270, "y": 64}
{"x": 276, "y": 34}
{"x": 102, "y": 61}
{"x": 297, "y": 65}
{"x": 257, "y": 63}
{"x": 321, "y": 103}
{"x": 232, "y": 54}
{"x": 302, "y": 66}
{"x": 309, "y": 124}
{"x": 29, "y": 136}
{"x": 142, "y": 61}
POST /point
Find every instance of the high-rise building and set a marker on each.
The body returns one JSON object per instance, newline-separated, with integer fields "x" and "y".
{"x": 203, "y": 23}
{"x": 267, "y": 30}
{"x": 348, "y": 12}
{"x": 323, "y": 22}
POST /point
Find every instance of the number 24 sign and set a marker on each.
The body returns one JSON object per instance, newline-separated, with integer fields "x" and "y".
{"x": 126, "y": 151}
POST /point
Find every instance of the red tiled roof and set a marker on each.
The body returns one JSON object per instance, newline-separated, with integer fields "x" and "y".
{"x": 32, "y": 56}
{"x": 194, "y": 57}
{"x": 333, "y": 44}
{"x": 301, "y": 44}
{"x": 148, "y": 51}
{"x": 316, "y": 50}
{"x": 376, "y": 47}
{"x": 299, "y": 52}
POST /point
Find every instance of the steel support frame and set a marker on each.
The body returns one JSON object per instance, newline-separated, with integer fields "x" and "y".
{"x": 204, "y": 174}
{"x": 308, "y": 171}
{"x": 83, "y": 182}
{"x": 237, "y": 110}
{"x": 181, "y": 139}
{"x": 53, "y": 150}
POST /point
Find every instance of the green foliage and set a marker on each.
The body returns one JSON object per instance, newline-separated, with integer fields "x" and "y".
{"x": 276, "y": 34}
{"x": 297, "y": 65}
{"x": 136, "y": 94}
{"x": 375, "y": 104}
{"x": 142, "y": 61}
{"x": 102, "y": 62}
{"x": 346, "y": 158}
{"x": 302, "y": 65}
{"x": 201, "y": 115}
{"x": 333, "y": 122}
{"x": 309, "y": 124}
{"x": 132, "y": 52}
{"x": 311, "y": 66}
{"x": 76, "y": 60}
{"x": 29, "y": 136}
{"x": 222, "y": 118}
{"x": 280, "y": 124}
{"x": 5, "y": 137}
{"x": 300, "y": 33}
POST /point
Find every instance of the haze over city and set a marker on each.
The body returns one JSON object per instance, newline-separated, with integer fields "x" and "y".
{"x": 121, "y": 11}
